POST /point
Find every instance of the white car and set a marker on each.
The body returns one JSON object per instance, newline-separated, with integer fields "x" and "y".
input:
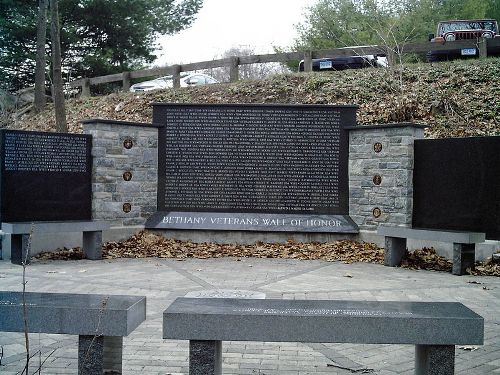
{"x": 193, "y": 79}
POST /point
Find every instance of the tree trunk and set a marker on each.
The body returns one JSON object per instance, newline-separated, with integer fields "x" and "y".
{"x": 41, "y": 37}
{"x": 58, "y": 93}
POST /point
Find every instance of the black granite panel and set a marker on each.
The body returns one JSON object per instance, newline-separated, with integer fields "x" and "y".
{"x": 45, "y": 176}
{"x": 253, "y": 158}
{"x": 457, "y": 185}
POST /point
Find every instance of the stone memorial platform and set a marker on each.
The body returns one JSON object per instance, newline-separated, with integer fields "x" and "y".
{"x": 100, "y": 321}
{"x": 433, "y": 327}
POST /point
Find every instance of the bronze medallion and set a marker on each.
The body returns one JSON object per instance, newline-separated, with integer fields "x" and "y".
{"x": 376, "y": 212}
{"x": 127, "y": 207}
{"x": 128, "y": 143}
{"x": 377, "y": 147}
{"x": 377, "y": 179}
{"x": 127, "y": 176}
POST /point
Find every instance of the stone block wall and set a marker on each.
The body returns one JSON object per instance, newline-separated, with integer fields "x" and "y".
{"x": 381, "y": 174}
{"x": 125, "y": 171}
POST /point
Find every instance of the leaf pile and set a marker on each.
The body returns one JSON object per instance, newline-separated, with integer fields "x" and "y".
{"x": 489, "y": 268}
{"x": 147, "y": 244}
{"x": 426, "y": 259}
{"x": 458, "y": 98}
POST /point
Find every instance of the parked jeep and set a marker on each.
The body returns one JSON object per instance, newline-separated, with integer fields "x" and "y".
{"x": 449, "y": 31}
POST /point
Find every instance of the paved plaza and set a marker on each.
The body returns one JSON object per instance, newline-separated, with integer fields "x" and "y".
{"x": 162, "y": 280}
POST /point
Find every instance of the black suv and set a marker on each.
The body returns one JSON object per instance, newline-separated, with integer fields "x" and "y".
{"x": 346, "y": 62}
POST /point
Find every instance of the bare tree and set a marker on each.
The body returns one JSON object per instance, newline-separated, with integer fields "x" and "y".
{"x": 41, "y": 36}
{"x": 25, "y": 259}
{"x": 58, "y": 94}
{"x": 247, "y": 71}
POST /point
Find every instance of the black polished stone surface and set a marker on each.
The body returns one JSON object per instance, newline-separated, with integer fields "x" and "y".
{"x": 457, "y": 185}
{"x": 78, "y": 314}
{"x": 422, "y": 323}
{"x": 45, "y": 176}
{"x": 287, "y": 159}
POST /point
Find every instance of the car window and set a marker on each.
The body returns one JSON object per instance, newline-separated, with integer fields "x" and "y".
{"x": 470, "y": 25}
{"x": 196, "y": 80}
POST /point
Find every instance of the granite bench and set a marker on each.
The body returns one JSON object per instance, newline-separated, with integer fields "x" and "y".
{"x": 20, "y": 232}
{"x": 433, "y": 327}
{"x": 100, "y": 321}
{"x": 463, "y": 244}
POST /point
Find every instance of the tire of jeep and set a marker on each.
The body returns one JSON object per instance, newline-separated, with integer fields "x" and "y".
{"x": 431, "y": 57}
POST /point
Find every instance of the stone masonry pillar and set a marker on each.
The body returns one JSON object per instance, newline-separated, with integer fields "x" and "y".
{"x": 381, "y": 174}
{"x": 124, "y": 171}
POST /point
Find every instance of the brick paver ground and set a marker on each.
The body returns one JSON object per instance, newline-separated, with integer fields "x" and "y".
{"x": 162, "y": 280}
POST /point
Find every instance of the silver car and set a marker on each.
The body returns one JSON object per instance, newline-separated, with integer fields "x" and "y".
{"x": 193, "y": 79}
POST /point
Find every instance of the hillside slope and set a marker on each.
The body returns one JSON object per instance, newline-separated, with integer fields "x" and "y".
{"x": 460, "y": 98}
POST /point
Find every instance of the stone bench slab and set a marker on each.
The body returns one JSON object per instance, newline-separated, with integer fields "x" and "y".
{"x": 54, "y": 227}
{"x": 463, "y": 244}
{"x": 431, "y": 234}
{"x": 322, "y": 321}
{"x": 100, "y": 321}
{"x": 74, "y": 314}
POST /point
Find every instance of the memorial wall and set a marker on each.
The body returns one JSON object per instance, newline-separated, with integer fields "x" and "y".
{"x": 44, "y": 176}
{"x": 253, "y": 167}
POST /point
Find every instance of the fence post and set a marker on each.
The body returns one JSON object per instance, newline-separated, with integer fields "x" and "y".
{"x": 86, "y": 87}
{"x": 234, "y": 73}
{"x": 482, "y": 45}
{"x": 126, "y": 81}
{"x": 308, "y": 61}
{"x": 176, "y": 76}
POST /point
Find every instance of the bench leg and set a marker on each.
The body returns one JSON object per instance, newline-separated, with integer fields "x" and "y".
{"x": 463, "y": 258}
{"x": 205, "y": 357}
{"x": 395, "y": 250}
{"x": 92, "y": 245}
{"x": 90, "y": 355}
{"x": 18, "y": 248}
{"x": 434, "y": 360}
{"x": 112, "y": 354}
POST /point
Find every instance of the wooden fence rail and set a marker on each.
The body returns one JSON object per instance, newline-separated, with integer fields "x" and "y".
{"x": 235, "y": 61}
